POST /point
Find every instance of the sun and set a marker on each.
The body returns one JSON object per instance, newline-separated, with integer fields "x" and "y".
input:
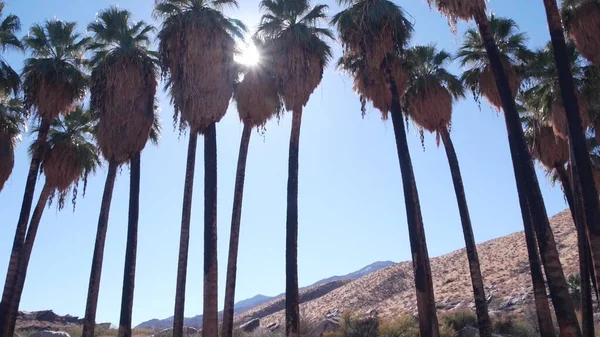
{"x": 248, "y": 54}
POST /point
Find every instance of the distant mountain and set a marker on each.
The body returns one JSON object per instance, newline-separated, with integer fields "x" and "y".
{"x": 247, "y": 304}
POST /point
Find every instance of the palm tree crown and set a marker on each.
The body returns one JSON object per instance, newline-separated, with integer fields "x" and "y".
{"x": 514, "y": 54}
{"x": 9, "y": 78}
{"x": 70, "y": 154}
{"x": 123, "y": 83}
{"x": 52, "y": 77}
{"x": 197, "y": 43}
{"x": 12, "y": 121}
{"x": 300, "y": 52}
{"x": 432, "y": 90}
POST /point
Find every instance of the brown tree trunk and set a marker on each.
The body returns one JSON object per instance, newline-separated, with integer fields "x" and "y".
{"x": 292, "y": 296}
{"x": 10, "y": 283}
{"x": 210, "y": 318}
{"x": 428, "y": 322}
{"x": 131, "y": 248}
{"x": 523, "y": 165}
{"x": 580, "y": 159}
{"x": 483, "y": 318}
{"x": 234, "y": 237}
{"x": 11, "y": 319}
{"x": 184, "y": 240}
{"x": 89, "y": 321}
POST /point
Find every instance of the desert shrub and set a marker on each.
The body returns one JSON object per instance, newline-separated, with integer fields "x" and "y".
{"x": 351, "y": 325}
{"x": 403, "y": 326}
{"x": 509, "y": 325}
{"x": 573, "y": 282}
{"x": 73, "y": 330}
{"x": 332, "y": 334}
{"x": 447, "y": 331}
{"x": 459, "y": 319}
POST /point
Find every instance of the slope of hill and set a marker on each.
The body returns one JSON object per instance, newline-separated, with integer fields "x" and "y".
{"x": 312, "y": 291}
{"x": 391, "y": 292}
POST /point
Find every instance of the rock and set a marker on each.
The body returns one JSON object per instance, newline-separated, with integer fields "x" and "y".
{"x": 47, "y": 333}
{"x": 273, "y": 326}
{"x": 250, "y": 326}
{"x": 323, "y": 327}
{"x": 468, "y": 331}
{"x": 46, "y": 316}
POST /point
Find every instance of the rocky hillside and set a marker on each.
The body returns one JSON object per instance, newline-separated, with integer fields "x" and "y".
{"x": 390, "y": 291}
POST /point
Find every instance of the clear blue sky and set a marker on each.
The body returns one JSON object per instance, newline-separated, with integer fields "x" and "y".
{"x": 351, "y": 202}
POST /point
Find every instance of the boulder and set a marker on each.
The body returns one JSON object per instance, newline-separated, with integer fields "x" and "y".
{"x": 250, "y": 326}
{"x": 46, "y": 316}
{"x": 468, "y": 331}
{"x": 273, "y": 326}
{"x": 47, "y": 333}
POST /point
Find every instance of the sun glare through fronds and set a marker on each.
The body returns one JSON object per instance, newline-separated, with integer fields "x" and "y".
{"x": 248, "y": 54}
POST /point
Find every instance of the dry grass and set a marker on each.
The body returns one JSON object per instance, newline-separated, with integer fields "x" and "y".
{"x": 489, "y": 89}
{"x": 391, "y": 291}
{"x": 200, "y": 63}
{"x": 7, "y": 157}
{"x": 456, "y": 10}
{"x": 584, "y": 28}
{"x": 298, "y": 72}
{"x": 559, "y": 116}
{"x": 256, "y": 97}
{"x": 431, "y": 108}
{"x": 549, "y": 149}
{"x": 124, "y": 98}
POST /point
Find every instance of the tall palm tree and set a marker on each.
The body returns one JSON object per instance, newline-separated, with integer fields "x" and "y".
{"x": 580, "y": 20}
{"x": 478, "y": 75}
{"x": 53, "y": 80}
{"x": 12, "y": 121}
{"x": 300, "y": 56}
{"x": 123, "y": 91}
{"x": 257, "y": 101}
{"x": 69, "y": 157}
{"x": 9, "y": 26}
{"x": 530, "y": 197}
{"x": 196, "y": 53}
{"x": 580, "y": 160}
{"x": 429, "y": 98}
{"x": 382, "y": 26}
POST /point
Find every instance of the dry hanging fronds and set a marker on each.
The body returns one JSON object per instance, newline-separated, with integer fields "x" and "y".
{"x": 584, "y": 29}
{"x": 298, "y": 72}
{"x": 559, "y": 116}
{"x": 256, "y": 97}
{"x": 373, "y": 47}
{"x": 489, "y": 89}
{"x": 7, "y": 157}
{"x": 60, "y": 166}
{"x": 202, "y": 72}
{"x": 549, "y": 149}
{"x": 456, "y": 10}
{"x": 431, "y": 108}
{"x": 51, "y": 99}
{"x": 124, "y": 99}
{"x": 373, "y": 85}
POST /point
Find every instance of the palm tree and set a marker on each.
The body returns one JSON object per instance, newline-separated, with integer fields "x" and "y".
{"x": 530, "y": 197}
{"x": 257, "y": 101}
{"x": 580, "y": 160}
{"x": 431, "y": 93}
{"x": 299, "y": 57}
{"x": 580, "y": 20}
{"x": 123, "y": 91}
{"x": 69, "y": 157}
{"x": 12, "y": 121}
{"x": 478, "y": 75}
{"x": 52, "y": 81}
{"x": 382, "y": 26}
{"x": 196, "y": 53}
{"x": 9, "y": 78}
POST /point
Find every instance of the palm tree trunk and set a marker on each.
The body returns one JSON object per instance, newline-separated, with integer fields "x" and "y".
{"x": 428, "y": 322}
{"x": 577, "y": 141}
{"x": 10, "y": 283}
{"x": 184, "y": 240}
{"x": 210, "y": 319}
{"x": 234, "y": 237}
{"x": 89, "y": 321}
{"x": 131, "y": 248}
{"x": 568, "y": 191}
{"x": 11, "y": 319}
{"x": 292, "y": 296}
{"x": 523, "y": 166}
{"x": 483, "y": 318}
